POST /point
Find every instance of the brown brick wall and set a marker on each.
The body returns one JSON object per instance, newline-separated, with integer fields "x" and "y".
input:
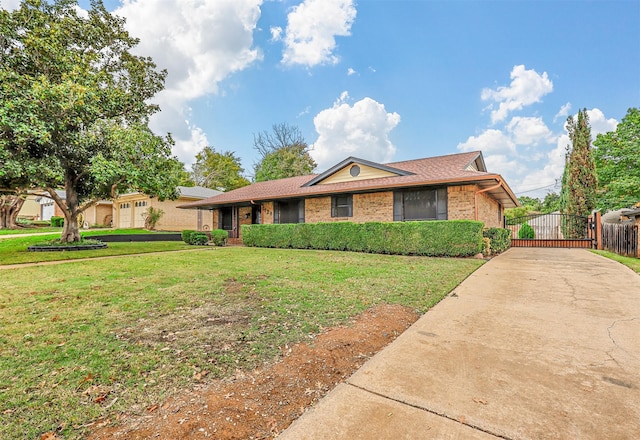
{"x": 267, "y": 213}
{"x": 488, "y": 210}
{"x": 366, "y": 208}
{"x": 461, "y": 206}
{"x": 461, "y": 202}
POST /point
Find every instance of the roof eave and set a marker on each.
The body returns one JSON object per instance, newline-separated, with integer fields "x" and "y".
{"x": 372, "y": 188}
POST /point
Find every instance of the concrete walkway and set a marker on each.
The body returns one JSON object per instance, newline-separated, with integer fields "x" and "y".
{"x": 536, "y": 344}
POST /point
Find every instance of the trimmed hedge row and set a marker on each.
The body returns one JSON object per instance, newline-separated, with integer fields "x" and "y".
{"x": 500, "y": 239}
{"x": 450, "y": 238}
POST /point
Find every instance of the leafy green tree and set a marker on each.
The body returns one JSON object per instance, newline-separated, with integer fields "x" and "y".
{"x": 75, "y": 108}
{"x": 580, "y": 185}
{"x": 284, "y": 153}
{"x": 617, "y": 156}
{"x": 221, "y": 171}
{"x": 532, "y": 203}
{"x": 551, "y": 203}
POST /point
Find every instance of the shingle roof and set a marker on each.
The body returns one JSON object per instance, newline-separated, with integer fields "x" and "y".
{"x": 197, "y": 192}
{"x": 454, "y": 168}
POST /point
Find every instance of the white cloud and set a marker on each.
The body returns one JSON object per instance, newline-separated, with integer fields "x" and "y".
{"x": 351, "y": 71}
{"x": 563, "y": 112}
{"x": 537, "y": 182}
{"x": 361, "y": 130}
{"x": 311, "y": 30}
{"x": 489, "y": 141}
{"x": 9, "y": 5}
{"x": 527, "y": 87}
{"x": 599, "y": 123}
{"x": 276, "y": 33}
{"x": 504, "y": 165}
{"x": 529, "y": 131}
{"x": 200, "y": 43}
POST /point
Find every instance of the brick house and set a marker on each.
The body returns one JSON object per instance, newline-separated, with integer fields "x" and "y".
{"x": 455, "y": 186}
{"x": 129, "y": 210}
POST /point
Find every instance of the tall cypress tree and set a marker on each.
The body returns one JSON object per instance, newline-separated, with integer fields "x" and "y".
{"x": 579, "y": 182}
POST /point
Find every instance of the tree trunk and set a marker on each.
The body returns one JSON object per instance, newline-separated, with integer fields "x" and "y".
{"x": 10, "y": 206}
{"x": 70, "y": 209}
{"x": 70, "y": 230}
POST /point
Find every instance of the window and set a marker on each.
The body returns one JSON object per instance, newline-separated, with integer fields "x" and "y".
{"x": 290, "y": 211}
{"x": 342, "y": 206}
{"x": 423, "y": 204}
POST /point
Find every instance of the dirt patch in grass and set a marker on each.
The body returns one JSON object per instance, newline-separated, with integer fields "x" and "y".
{"x": 262, "y": 403}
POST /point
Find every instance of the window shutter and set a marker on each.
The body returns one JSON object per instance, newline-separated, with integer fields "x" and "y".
{"x": 441, "y": 209}
{"x": 397, "y": 206}
{"x": 301, "y": 211}
{"x": 334, "y": 206}
{"x": 276, "y": 213}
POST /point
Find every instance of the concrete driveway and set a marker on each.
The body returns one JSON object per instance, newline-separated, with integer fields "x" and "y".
{"x": 536, "y": 344}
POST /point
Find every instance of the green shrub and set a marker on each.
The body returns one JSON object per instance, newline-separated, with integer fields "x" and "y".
{"x": 500, "y": 239}
{"x": 199, "y": 238}
{"x": 486, "y": 246}
{"x": 453, "y": 238}
{"x": 186, "y": 235}
{"x": 151, "y": 217}
{"x": 57, "y": 222}
{"x": 526, "y": 231}
{"x": 219, "y": 237}
{"x": 194, "y": 237}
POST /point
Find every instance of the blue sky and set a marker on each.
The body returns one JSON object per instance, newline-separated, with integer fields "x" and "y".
{"x": 391, "y": 80}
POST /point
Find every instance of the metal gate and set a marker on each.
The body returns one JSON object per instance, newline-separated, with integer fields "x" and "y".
{"x": 550, "y": 230}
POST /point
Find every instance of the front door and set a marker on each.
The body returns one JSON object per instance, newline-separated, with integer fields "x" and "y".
{"x": 228, "y": 221}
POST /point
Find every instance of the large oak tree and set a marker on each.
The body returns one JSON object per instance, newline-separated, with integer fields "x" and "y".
{"x": 75, "y": 108}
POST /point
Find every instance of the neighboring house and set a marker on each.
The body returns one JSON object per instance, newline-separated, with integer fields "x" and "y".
{"x": 456, "y": 186}
{"x": 30, "y": 209}
{"x": 129, "y": 210}
{"x": 98, "y": 214}
{"x": 49, "y": 208}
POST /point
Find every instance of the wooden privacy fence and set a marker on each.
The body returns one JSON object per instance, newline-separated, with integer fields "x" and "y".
{"x": 621, "y": 239}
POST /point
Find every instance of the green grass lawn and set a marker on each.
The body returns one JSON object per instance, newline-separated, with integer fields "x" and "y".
{"x": 30, "y": 231}
{"x": 14, "y": 250}
{"x": 82, "y": 340}
{"x": 632, "y": 263}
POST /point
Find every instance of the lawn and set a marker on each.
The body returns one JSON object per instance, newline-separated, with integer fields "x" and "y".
{"x": 30, "y": 231}
{"x": 632, "y": 263}
{"x": 14, "y": 250}
{"x": 81, "y": 340}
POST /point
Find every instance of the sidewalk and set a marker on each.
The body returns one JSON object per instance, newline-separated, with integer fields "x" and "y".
{"x": 536, "y": 344}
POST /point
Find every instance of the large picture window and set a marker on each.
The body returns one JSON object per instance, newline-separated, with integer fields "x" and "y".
{"x": 420, "y": 204}
{"x": 289, "y": 211}
{"x": 342, "y": 206}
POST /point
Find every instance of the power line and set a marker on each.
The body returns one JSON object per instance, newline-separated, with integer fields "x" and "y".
{"x": 537, "y": 189}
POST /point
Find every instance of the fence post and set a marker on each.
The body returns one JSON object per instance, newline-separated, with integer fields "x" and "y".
{"x": 637, "y": 232}
{"x": 597, "y": 230}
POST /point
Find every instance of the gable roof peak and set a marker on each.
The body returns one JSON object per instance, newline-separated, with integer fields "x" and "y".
{"x": 357, "y": 161}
